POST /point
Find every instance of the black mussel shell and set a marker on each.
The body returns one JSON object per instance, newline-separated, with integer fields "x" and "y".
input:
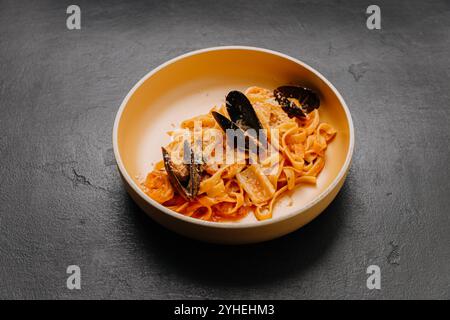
{"x": 227, "y": 124}
{"x": 241, "y": 111}
{"x": 237, "y": 135}
{"x": 186, "y": 187}
{"x": 308, "y": 99}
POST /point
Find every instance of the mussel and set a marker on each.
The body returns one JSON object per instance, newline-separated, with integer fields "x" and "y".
{"x": 244, "y": 121}
{"x": 184, "y": 177}
{"x": 241, "y": 111}
{"x": 307, "y": 99}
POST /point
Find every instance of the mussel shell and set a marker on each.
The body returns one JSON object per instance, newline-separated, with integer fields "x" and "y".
{"x": 250, "y": 142}
{"x": 289, "y": 107}
{"x": 226, "y": 124}
{"x": 308, "y": 99}
{"x": 190, "y": 189}
{"x": 241, "y": 111}
{"x": 195, "y": 171}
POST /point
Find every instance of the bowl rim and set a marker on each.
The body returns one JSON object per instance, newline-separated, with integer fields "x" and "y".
{"x": 231, "y": 225}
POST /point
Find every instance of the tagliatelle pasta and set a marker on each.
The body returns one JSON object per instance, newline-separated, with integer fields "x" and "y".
{"x": 228, "y": 191}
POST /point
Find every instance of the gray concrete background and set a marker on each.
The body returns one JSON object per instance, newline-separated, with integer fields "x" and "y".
{"x": 62, "y": 202}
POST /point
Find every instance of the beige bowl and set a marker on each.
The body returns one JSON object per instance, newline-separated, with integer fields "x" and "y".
{"x": 190, "y": 85}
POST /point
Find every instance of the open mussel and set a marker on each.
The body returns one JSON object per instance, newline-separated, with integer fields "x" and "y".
{"x": 241, "y": 111}
{"x": 184, "y": 177}
{"x": 307, "y": 99}
{"x": 244, "y": 121}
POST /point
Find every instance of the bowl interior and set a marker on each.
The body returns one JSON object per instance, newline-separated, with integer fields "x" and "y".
{"x": 195, "y": 83}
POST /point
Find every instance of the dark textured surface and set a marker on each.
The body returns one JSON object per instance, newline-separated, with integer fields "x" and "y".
{"x": 62, "y": 202}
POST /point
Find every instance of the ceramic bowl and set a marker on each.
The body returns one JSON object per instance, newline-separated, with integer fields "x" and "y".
{"x": 192, "y": 84}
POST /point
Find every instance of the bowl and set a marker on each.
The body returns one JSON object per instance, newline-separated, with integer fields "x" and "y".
{"x": 192, "y": 84}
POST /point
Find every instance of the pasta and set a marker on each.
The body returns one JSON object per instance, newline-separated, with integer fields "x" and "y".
{"x": 228, "y": 191}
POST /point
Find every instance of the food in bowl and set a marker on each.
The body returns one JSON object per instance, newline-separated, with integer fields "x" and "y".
{"x": 242, "y": 156}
